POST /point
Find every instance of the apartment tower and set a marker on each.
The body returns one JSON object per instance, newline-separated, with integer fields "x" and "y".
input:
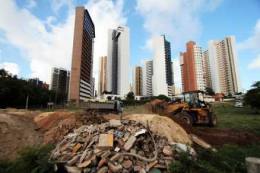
{"x": 162, "y": 80}
{"x": 147, "y": 78}
{"x": 206, "y": 69}
{"x": 102, "y": 74}
{"x": 118, "y": 61}
{"x": 60, "y": 82}
{"x": 192, "y": 72}
{"x": 81, "y": 83}
{"x": 138, "y": 81}
{"x": 223, "y": 65}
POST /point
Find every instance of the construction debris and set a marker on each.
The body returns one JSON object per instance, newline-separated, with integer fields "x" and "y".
{"x": 116, "y": 146}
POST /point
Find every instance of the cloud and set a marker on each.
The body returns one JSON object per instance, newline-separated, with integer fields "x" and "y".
{"x": 106, "y": 14}
{"x": 31, "y": 4}
{"x": 57, "y": 4}
{"x": 255, "y": 64}
{"x": 43, "y": 49}
{"x": 253, "y": 41}
{"x": 178, "y": 19}
{"x": 47, "y": 45}
{"x": 252, "y": 44}
{"x": 12, "y": 68}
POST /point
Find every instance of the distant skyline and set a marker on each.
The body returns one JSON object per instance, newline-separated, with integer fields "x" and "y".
{"x": 36, "y": 35}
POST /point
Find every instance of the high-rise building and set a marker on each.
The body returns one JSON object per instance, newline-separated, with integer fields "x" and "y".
{"x": 162, "y": 80}
{"x": 118, "y": 61}
{"x": 138, "y": 81}
{"x": 192, "y": 72}
{"x": 206, "y": 69}
{"x": 60, "y": 82}
{"x": 147, "y": 78}
{"x": 102, "y": 74}
{"x": 223, "y": 65}
{"x": 82, "y": 57}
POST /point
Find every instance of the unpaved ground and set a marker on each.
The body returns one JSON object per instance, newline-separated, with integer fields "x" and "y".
{"x": 219, "y": 137}
{"x": 17, "y": 130}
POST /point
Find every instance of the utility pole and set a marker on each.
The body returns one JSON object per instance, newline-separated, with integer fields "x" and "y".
{"x": 27, "y": 101}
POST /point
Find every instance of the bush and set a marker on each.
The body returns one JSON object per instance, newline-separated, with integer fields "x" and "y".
{"x": 252, "y": 96}
{"x": 30, "y": 160}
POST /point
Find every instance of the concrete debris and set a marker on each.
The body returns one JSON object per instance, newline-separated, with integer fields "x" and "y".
{"x": 105, "y": 141}
{"x": 183, "y": 148}
{"x": 110, "y": 147}
{"x": 115, "y": 123}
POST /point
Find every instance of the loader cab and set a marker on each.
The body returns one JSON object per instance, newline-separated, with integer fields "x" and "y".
{"x": 195, "y": 99}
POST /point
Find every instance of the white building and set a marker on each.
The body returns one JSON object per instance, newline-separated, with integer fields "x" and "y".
{"x": 147, "y": 78}
{"x": 200, "y": 75}
{"x": 223, "y": 65}
{"x": 162, "y": 80}
{"x": 118, "y": 61}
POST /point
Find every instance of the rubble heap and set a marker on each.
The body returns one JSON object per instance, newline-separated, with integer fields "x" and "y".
{"x": 115, "y": 146}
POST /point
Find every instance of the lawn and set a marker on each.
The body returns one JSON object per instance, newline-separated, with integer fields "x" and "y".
{"x": 237, "y": 118}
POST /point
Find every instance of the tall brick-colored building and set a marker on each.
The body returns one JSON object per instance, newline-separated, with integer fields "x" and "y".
{"x": 81, "y": 82}
{"x": 102, "y": 74}
{"x": 192, "y": 72}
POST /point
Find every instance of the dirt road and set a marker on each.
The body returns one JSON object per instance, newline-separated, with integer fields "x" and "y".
{"x": 17, "y": 130}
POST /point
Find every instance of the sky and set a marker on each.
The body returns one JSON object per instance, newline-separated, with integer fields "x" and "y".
{"x": 36, "y": 35}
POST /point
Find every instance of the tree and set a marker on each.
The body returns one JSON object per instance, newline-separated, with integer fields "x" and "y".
{"x": 130, "y": 96}
{"x": 163, "y": 97}
{"x": 252, "y": 96}
{"x": 14, "y": 91}
{"x": 210, "y": 91}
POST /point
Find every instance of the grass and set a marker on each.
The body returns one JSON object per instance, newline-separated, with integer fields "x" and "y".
{"x": 228, "y": 159}
{"x": 30, "y": 160}
{"x": 237, "y": 118}
{"x": 228, "y": 116}
{"x": 138, "y": 109}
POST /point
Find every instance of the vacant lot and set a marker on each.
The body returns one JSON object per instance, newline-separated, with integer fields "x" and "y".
{"x": 237, "y": 118}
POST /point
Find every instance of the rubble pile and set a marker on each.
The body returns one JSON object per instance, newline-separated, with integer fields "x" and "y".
{"x": 55, "y": 125}
{"x": 116, "y": 146}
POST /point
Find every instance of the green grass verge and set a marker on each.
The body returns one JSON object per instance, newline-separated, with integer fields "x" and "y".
{"x": 237, "y": 118}
{"x": 228, "y": 159}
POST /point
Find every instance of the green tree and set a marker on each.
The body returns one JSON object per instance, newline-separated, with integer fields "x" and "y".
{"x": 210, "y": 91}
{"x": 163, "y": 97}
{"x": 252, "y": 96}
{"x": 130, "y": 96}
{"x": 14, "y": 91}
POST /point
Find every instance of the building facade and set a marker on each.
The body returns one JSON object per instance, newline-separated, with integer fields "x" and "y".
{"x": 147, "y": 78}
{"x": 138, "y": 81}
{"x": 118, "y": 61}
{"x": 223, "y": 65}
{"x": 60, "y": 83}
{"x": 102, "y": 75}
{"x": 82, "y": 57}
{"x": 192, "y": 71}
{"x": 206, "y": 68}
{"x": 162, "y": 79}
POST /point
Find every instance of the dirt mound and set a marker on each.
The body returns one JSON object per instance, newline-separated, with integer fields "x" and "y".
{"x": 219, "y": 137}
{"x": 17, "y": 130}
{"x": 164, "y": 126}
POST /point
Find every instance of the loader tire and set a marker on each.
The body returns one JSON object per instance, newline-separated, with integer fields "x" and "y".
{"x": 184, "y": 117}
{"x": 212, "y": 119}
